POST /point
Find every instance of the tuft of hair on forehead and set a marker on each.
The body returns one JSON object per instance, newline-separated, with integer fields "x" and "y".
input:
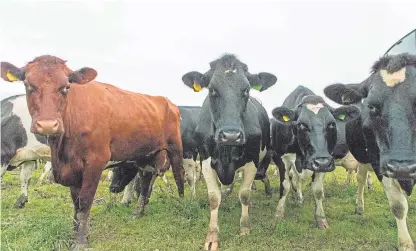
{"x": 394, "y": 63}
{"x": 312, "y": 99}
{"x": 47, "y": 60}
{"x": 228, "y": 61}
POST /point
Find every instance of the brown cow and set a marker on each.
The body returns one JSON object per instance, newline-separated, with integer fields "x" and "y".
{"x": 90, "y": 123}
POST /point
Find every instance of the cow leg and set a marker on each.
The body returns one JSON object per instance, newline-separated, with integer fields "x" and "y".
{"x": 26, "y": 172}
{"x": 167, "y": 183}
{"x": 226, "y": 190}
{"x": 362, "y": 181}
{"x": 284, "y": 190}
{"x": 145, "y": 183}
{"x": 214, "y": 197}
{"x": 83, "y": 198}
{"x": 128, "y": 194}
{"x": 370, "y": 181}
{"x": 318, "y": 194}
{"x": 296, "y": 182}
{"x": 350, "y": 175}
{"x": 254, "y": 187}
{"x": 46, "y": 169}
{"x": 249, "y": 170}
{"x": 267, "y": 187}
{"x": 190, "y": 172}
{"x": 399, "y": 207}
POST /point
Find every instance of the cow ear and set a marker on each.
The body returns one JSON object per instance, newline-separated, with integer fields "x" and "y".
{"x": 195, "y": 80}
{"x": 82, "y": 76}
{"x": 345, "y": 113}
{"x": 261, "y": 81}
{"x": 11, "y": 73}
{"x": 283, "y": 114}
{"x": 344, "y": 94}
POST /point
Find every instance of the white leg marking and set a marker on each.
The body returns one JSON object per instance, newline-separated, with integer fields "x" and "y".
{"x": 280, "y": 211}
{"x": 399, "y": 207}
{"x": 25, "y": 175}
{"x": 318, "y": 193}
{"x": 249, "y": 170}
{"x": 46, "y": 170}
{"x": 190, "y": 171}
{"x": 363, "y": 170}
{"x": 128, "y": 193}
{"x": 214, "y": 197}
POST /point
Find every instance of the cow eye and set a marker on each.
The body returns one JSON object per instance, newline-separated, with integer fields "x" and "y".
{"x": 29, "y": 87}
{"x": 303, "y": 127}
{"x": 65, "y": 89}
{"x": 331, "y": 126}
{"x": 373, "y": 110}
{"x": 212, "y": 92}
{"x": 246, "y": 92}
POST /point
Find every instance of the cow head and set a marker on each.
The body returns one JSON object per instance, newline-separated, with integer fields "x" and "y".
{"x": 314, "y": 127}
{"x": 122, "y": 175}
{"x": 389, "y": 112}
{"x": 47, "y": 80}
{"x": 229, "y": 84}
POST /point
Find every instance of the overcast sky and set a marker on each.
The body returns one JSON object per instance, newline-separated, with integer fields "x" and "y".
{"x": 146, "y": 46}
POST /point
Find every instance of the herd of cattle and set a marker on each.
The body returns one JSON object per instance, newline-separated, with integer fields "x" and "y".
{"x": 81, "y": 127}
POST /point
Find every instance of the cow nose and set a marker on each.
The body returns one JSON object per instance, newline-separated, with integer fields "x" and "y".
{"x": 114, "y": 189}
{"x": 404, "y": 169}
{"x": 47, "y": 127}
{"x": 322, "y": 162}
{"x": 231, "y": 137}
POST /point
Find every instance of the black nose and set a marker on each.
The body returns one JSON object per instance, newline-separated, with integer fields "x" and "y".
{"x": 115, "y": 189}
{"x": 405, "y": 169}
{"x": 231, "y": 137}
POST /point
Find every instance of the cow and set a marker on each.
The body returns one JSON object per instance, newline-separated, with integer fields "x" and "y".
{"x": 20, "y": 147}
{"x": 384, "y": 133}
{"x": 124, "y": 178}
{"x": 89, "y": 123}
{"x": 304, "y": 135}
{"x": 233, "y": 132}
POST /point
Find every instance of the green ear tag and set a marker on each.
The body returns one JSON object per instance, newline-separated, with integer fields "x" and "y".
{"x": 341, "y": 116}
{"x": 256, "y": 87}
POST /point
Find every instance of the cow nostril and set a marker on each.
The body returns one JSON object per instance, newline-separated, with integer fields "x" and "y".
{"x": 222, "y": 136}
{"x": 321, "y": 161}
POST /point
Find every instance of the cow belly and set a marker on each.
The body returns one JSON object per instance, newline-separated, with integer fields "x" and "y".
{"x": 28, "y": 154}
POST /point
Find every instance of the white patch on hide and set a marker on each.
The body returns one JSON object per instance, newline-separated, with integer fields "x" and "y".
{"x": 314, "y": 108}
{"x": 391, "y": 80}
{"x": 230, "y": 70}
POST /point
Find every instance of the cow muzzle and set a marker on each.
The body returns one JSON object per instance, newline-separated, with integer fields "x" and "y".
{"x": 322, "y": 164}
{"x": 401, "y": 169}
{"x": 115, "y": 188}
{"x": 46, "y": 127}
{"x": 231, "y": 137}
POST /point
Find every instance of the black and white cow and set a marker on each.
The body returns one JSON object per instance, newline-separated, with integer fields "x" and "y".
{"x": 384, "y": 134}
{"x": 125, "y": 176}
{"x": 233, "y": 132}
{"x": 304, "y": 135}
{"x": 20, "y": 147}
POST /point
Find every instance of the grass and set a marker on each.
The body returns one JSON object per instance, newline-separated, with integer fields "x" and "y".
{"x": 170, "y": 224}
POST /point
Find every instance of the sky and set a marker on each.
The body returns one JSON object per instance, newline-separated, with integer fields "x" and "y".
{"x": 147, "y": 46}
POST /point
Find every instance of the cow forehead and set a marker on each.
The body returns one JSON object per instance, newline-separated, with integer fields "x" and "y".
{"x": 46, "y": 75}
{"x": 393, "y": 79}
{"x": 315, "y": 114}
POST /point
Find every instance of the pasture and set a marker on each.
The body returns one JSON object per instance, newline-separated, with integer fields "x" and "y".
{"x": 170, "y": 224}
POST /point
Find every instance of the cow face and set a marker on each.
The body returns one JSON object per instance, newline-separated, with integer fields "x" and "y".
{"x": 123, "y": 174}
{"x": 315, "y": 129}
{"x": 342, "y": 116}
{"x": 389, "y": 112}
{"x": 229, "y": 84}
{"x": 47, "y": 80}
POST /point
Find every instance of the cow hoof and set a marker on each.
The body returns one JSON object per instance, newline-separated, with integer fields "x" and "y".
{"x": 126, "y": 204}
{"x": 21, "y": 201}
{"x": 370, "y": 188}
{"x": 80, "y": 247}
{"x": 322, "y": 223}
{"x": 213, "y": 245}
{"x": 269, "y": 195}
{"x": 137, "y": 213}
{"x": 406, "y": 247}
{"x": 359, "y": 210}
{"x": 244, "y": 231}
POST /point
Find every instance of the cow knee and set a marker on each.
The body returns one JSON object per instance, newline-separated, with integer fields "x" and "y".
{"x": 214, "y": 200}
{"x": 398, "y": 209}
{"x": 245, "y": 197}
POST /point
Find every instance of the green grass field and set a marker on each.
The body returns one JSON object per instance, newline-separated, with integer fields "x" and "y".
{"x": 170, "y": 224}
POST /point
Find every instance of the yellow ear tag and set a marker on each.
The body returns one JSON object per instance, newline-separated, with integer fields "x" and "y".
{"x": 286, "y": 118}
{"x": 11, "y": 77}
{"x": 197, "y": 87}
{"x": 341, "y": 116}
